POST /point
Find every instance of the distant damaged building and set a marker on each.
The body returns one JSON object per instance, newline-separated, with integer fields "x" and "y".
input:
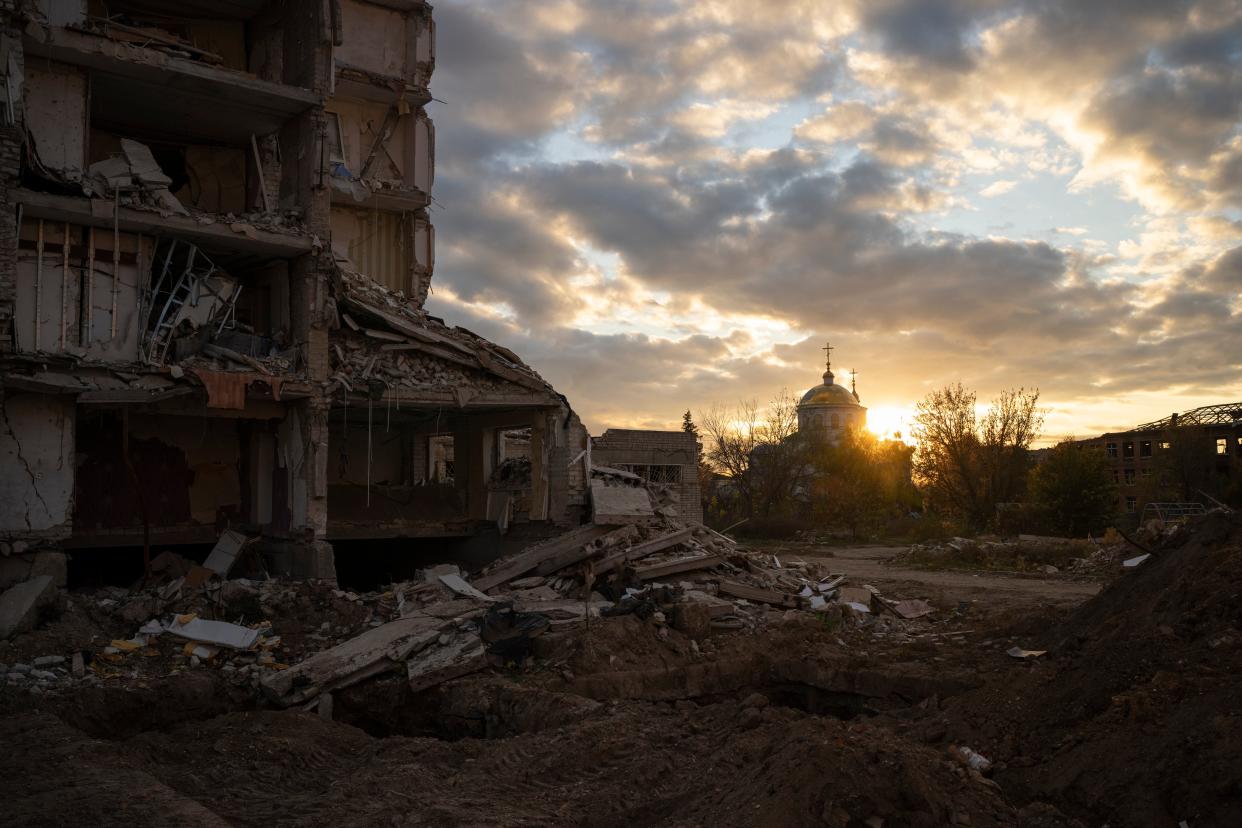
{"x": 212, "y": 272}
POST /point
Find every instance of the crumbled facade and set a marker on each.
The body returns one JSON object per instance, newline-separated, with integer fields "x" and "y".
{"x": 212, "y": 275}
{"x": 1201, "y": 448}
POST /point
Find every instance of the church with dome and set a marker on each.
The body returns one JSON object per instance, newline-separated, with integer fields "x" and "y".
{"x": 828, "y": 409}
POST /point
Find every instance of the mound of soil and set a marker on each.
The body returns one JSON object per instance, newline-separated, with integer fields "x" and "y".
{"x": 726, "y": 764}
{"x": 1134, "y": 718}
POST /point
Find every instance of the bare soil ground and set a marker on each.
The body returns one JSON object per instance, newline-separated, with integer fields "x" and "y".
{"x": 874, "y": 565}
{"x": 1131, "y": 719}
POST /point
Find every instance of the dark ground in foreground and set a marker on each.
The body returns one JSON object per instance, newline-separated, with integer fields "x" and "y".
{"x": 1131, "y": 719}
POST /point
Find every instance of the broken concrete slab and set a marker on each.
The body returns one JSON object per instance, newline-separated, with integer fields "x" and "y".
{"x": 663, "y": 570}
{"x": 532, "y": 556}
{"x": 21, "y": 605}
{"x": 615, "y": 505}
{"x": 379, "y": 650}
{"x": 462, "y": 654}
{"x": 759, "y": 595}
{"x": 22, "y": 567}
{"x": 462, "y": 587}
{"x": 225, "y": 552}
{"x": 641, "y": 550}
{"x": 590, "y": 550}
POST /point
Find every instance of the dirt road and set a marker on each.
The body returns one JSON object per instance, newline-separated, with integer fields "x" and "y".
{"x": 867, "y": 565}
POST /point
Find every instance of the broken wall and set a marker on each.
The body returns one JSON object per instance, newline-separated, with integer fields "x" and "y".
{"x": 87, "y": 298}
{"x": 375, "y": 39}
{"x": 55, "y": 103}
{"x": 379, "y": 243}
{"x": 668, "y": 457}
{"x": 36, "y": 465}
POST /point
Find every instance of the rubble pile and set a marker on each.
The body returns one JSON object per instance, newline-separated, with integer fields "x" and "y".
{"x": 359, "y": 360}
{"x": 398, "y": 344}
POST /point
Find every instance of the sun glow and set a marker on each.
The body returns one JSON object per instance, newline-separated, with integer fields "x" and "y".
{"x": 891, "y": 422}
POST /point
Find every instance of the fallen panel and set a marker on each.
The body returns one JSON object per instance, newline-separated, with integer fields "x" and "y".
{"x": 612, "y": 505}
{"x": 220, "y": 633}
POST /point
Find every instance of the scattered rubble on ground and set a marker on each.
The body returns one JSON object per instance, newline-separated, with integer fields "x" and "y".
{"x": 670, "y": 642}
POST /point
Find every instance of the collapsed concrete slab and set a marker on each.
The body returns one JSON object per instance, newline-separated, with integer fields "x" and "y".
{"x": 613, "y": 505}
{"x": 21, "y": 605}
{"x": 376, "y": 651}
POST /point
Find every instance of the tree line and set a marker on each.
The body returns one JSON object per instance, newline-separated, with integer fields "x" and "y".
{"x": 972, "y": 469}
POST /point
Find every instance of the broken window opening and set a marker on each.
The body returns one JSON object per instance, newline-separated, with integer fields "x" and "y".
{"x": 1145, "y": 448}
{"x": 1127, "y": 449}
{"x": 440, "y": 459}
{"x": 1222, "y": 446}
{"x": 654, "y": 473}
{"x": 1111, "y": 449}
{"x": 195, "y": 304}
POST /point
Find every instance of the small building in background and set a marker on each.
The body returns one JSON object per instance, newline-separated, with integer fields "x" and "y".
{"x": 665, "y": 457}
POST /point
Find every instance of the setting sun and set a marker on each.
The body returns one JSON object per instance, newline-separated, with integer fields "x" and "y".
{"x": 891, "y": 422}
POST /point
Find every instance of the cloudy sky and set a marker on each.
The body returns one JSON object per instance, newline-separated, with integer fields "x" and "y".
{"x": 663, "y": 204}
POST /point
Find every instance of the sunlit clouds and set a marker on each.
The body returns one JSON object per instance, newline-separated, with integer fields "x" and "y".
{"x": 664, "y": 203}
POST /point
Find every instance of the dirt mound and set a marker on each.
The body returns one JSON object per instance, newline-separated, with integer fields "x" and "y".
{"x": 1133, "y": 717}
{"x": 632, "y": 763}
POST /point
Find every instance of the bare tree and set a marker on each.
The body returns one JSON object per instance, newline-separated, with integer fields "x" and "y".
{"x": 965, "y": 465}
{"x": 1008, "y": 429}
{"x": 757, "y": 449}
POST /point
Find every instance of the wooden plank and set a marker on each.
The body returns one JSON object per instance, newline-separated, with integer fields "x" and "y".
{"x": 531, "y": 557}
{"x": 762, "y": 596}
{"x": 660, "y": 570}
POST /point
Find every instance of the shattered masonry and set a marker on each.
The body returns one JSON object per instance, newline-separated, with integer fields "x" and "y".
{"x": 212, "y": 285}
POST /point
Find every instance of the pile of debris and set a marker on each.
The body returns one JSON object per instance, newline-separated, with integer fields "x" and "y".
{"x": 684, "y": 576}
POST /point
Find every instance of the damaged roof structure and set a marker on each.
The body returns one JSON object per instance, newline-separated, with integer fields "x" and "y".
{"x": 212, "y": 278}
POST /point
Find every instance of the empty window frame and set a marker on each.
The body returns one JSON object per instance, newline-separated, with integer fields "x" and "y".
{"x": 1127, "y": 448}
{"x": 1145, "y": 448}
{"x": 1222, "y": 446}
{"x": 1111, "y": 449}
{"x": 654, "y": 473}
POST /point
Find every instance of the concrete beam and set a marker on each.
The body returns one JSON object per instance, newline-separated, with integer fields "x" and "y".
{"x": 98, "y": 213}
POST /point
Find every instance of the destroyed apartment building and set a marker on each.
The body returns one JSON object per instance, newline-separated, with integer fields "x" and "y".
{"x": 212, "y": 279}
